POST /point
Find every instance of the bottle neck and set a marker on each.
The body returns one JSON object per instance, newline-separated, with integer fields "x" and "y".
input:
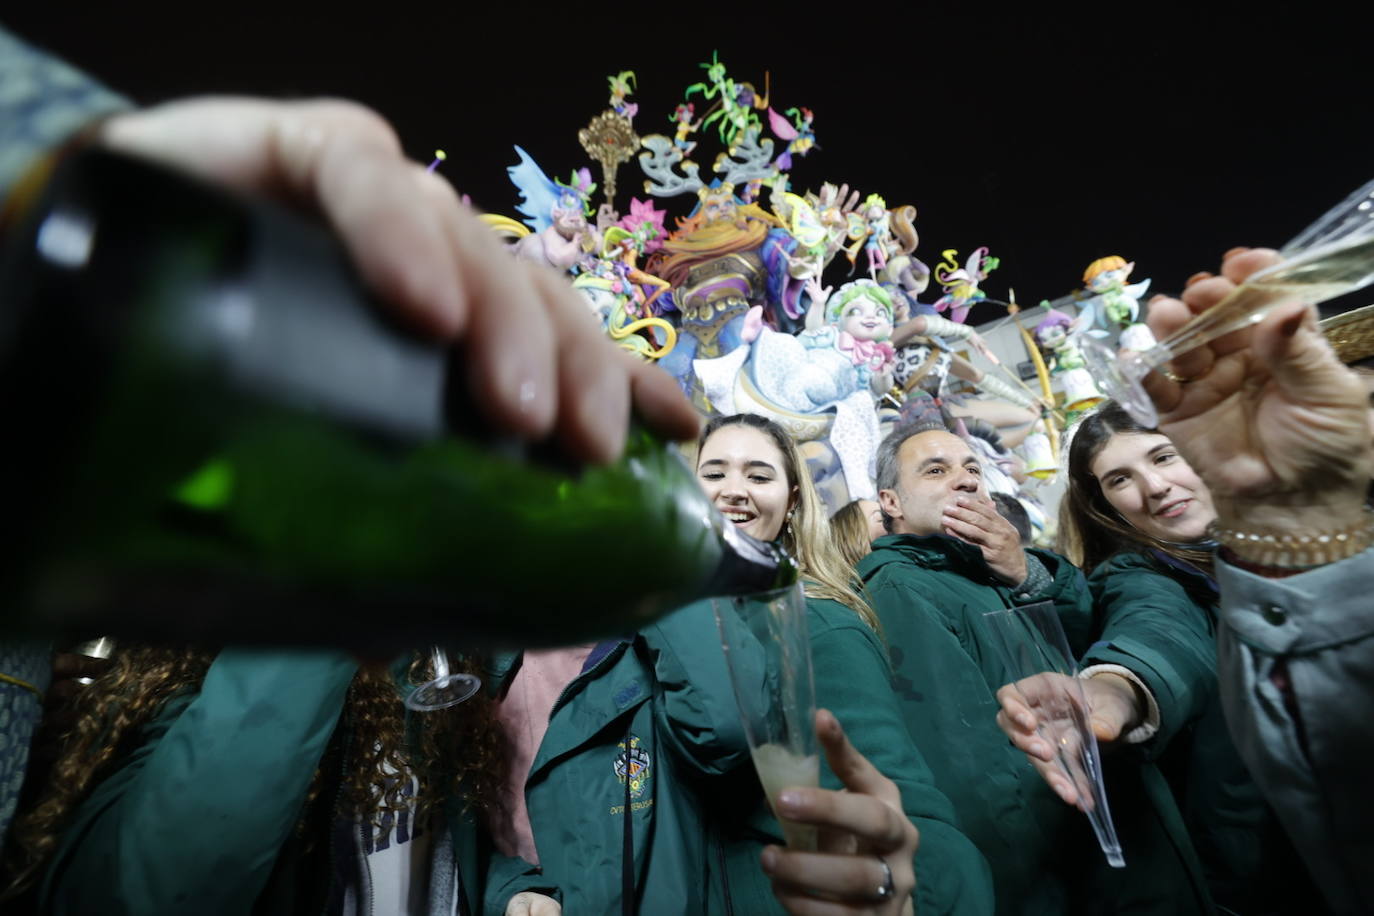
{"x": 748, "y": 564}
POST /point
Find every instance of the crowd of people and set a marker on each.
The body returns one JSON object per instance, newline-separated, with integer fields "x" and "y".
{"x": 1225, "y": 679}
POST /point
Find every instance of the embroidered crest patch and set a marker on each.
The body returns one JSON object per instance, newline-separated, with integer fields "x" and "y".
{"x": 639, "y": 765}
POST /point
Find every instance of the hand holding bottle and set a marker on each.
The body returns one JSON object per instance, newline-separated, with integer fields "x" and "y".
{"x": 536, "y": 361}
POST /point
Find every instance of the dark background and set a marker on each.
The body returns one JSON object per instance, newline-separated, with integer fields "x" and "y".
{"x": 1162, "y": 133}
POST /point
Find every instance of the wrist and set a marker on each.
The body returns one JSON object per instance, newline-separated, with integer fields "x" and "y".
{"x": 1110, "y": 692}
{"x": 1297, "y": 539}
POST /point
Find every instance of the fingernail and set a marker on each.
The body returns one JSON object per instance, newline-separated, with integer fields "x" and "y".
{"x": 789, "y": 799}
{"x": 1198, "y": 278}
{"x": 1155, "y": 298}
{"x": 1239, "y": 249}
{"x": 605, "y": 411}
{"x": 1026, "y": 720}
{"x": 770, "y": 858}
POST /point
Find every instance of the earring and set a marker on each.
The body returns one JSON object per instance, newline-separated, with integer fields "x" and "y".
{"x": 790, "y": 533}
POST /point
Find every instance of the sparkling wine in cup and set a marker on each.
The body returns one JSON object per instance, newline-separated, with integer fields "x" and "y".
{"x": 1332, "y": 257}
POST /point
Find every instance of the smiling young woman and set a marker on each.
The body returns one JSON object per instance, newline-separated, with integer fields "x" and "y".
{"x": 1142, "y": 516}
{"x": 1130, "y": 491}
{"x": 751, "y": 470}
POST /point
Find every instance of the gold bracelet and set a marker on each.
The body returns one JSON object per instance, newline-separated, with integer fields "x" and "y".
{"x": 1306, "y": 550}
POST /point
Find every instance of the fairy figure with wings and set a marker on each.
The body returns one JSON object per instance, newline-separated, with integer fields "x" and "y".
{"x": 798, "y": 133}
{"x": 962, "y": 283}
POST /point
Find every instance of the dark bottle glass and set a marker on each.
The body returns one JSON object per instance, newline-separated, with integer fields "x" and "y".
{"x": 214, "y": 434}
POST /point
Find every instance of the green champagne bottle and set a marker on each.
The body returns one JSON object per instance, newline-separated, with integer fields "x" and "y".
{"x": 215, "y": 435}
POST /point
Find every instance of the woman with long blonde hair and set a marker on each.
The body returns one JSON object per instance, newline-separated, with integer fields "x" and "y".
{"x": 639, "y": 795}
{"x": 755, "y": 476}
{"x": 806, "y": 534}
{"x": 854, "y": 528}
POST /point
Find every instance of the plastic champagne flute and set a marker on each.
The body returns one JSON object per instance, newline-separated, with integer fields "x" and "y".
{"x": 768, "y": 656}
{"x": 1331, "y": 257}
{"x": 1035, "y": 653}
{"x": 447, "y": 688}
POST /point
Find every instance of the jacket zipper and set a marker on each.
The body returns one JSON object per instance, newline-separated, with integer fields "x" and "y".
{"x": 724, "y": 877}
{"x": 363, "y": 828}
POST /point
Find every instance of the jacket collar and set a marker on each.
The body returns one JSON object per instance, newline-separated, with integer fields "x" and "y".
{"x": 931, "y": 551}
{"x": 501, "y": 667}
{"x": 1198, "y": 578}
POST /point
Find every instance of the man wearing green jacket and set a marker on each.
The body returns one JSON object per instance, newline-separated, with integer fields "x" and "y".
{"x": 949, "y": 560}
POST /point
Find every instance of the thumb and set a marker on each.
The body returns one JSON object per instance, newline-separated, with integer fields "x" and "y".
{"x": 1298, "y": 357}
{"x": 1106, "y": 726}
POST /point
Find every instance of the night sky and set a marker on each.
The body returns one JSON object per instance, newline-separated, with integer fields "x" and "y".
{"x": 1162, "y": 133}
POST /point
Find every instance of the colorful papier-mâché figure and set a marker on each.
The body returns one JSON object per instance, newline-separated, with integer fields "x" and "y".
{"x": 682, "y": 117}
{"x": 736, "y": 105}
{"x": 1054, "y": 336}
{"x": 846, "y": 347}
{"x": 833, "y": 368}
{"x": 1114, "y": 307}
{"x": 798, "y": 133}
{"x": 713, "y": 265}
{"x": 557, "y": 213}
{"x": 962, "y": 283}
{"x": 622, "y": 84}
{"x": 871, "y": 229}
{"x": 623, "y": 296}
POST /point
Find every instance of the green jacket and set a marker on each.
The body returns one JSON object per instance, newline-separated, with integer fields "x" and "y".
{"x": 1157, "y": 618}
{"x": 698, "y": 814}
{"x": 854, "y": 681}
{"x": 199, "y": 817}
{"x": 931, "y": 594}
{"x": 667, "y": 692}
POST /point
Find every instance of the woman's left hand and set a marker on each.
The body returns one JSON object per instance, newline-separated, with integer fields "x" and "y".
{"x": 866, "y": 847}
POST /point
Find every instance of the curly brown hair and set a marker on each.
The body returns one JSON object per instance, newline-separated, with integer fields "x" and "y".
{"x": 452, "y": 753}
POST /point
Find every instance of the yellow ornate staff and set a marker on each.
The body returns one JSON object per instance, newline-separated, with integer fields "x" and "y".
{"x": 610, "y": 138}
{"x": 1042, "y": 372}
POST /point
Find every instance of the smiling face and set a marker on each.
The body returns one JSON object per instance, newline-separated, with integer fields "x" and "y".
{"x": 933, "y": 470}
{"x": 1154, "y": 490}
{"x": 866, "y": 319}
{"x": 1051, "y": 336}
{"x": 744, "y": 474}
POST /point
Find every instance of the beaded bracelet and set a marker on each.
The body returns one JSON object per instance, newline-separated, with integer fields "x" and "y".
{"x": 1306, "y": 550}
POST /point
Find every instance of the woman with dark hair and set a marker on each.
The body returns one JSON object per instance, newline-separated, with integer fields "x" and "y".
{"x": 1141, "y": 517}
